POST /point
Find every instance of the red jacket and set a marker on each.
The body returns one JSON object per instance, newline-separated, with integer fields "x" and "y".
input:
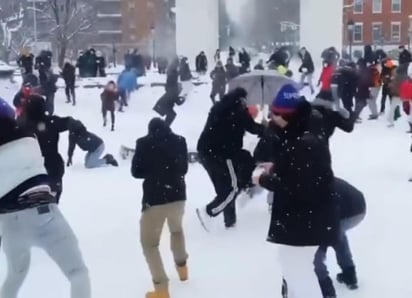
{"x": 405, "y": 90}
{"x": 326, "y": 78}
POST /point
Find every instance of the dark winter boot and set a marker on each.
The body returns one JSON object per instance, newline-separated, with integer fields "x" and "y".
{"x": 110, "y": 160}
{"x": 328, "y": 290}
{"x": 410, "y": 128}
{"x": 348, "y": 277}
{"x": 373, "y": 117}
{"x": 284, "y": 289}
{"x": 104, "y": 122}
{"x": 112, "y": 127}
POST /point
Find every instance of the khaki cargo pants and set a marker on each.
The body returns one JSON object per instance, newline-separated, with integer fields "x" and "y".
{"x": 151, "y": 226}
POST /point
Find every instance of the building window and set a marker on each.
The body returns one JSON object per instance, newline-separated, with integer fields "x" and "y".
{"x": 377, "y": 6}
{"x": 132, "y": 4}
{"x": 377, "y": 32}
{"x": 358, "y": 32}
{"x": 396, "y": 5}
{"x": 358, "y": 7}
{"x": 396, "y": 31}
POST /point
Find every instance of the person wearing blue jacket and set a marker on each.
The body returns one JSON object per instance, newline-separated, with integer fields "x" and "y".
{"x": 127, "y": 83}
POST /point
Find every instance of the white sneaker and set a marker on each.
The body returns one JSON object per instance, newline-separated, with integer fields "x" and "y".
{"x": 204, "y": 218}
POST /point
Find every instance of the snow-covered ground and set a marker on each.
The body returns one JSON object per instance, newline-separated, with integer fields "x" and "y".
{"x": 103, "y": 207}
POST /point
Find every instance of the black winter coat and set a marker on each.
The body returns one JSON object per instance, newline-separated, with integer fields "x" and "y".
{"x": 48, "y": 132}
{"x": 27, "y": 62}
{"x": 172, "y": 80}
{"x": 86, "y": 141}
{"x": 161, "y": 159}
{"x": 307, "y": 63}
{"x": 201, "y": 63}
{"x": 305, "y": 211}
{"x": 365, "y": 81}
{"x": 232, "y": 71}
{"x": 405, "y": 57}
{"x": 69, "y": 74}
{"x": 347, "y": 79}
{"x": 184, "y": 72}
{"x": 218, "y": 76}
{"x": 222, "y": 136}
{"x": 166, "y": 103}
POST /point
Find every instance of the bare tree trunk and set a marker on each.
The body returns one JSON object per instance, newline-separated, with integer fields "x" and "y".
{"x": 61, "y": 53}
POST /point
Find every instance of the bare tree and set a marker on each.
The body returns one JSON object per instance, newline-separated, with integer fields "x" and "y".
{"x": 11, "y": 21}
{"x": 70, "y": 18}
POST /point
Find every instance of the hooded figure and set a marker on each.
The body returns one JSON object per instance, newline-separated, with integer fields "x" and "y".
{"x": 232, "y": 71}
{"x": 89, "y": 142}
{"x": 219, "y": 79}
{"x": 69, "y": 77}
{"x": 47, "y": 130}
{"x": 305, "y": 213}
{"x": 221, "y": 153}
{"x": 161, "y": 160}
{"x": 201, "y": 63}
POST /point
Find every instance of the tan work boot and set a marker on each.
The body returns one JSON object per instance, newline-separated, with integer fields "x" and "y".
{"x": 183, "y": 272}
{"x": 161, "y": 293}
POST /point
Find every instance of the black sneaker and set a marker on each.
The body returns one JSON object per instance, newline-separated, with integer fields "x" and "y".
{"x": 110, "y": 160}
{"x": 348, "y": 277}
{"x": 328, "y": 290}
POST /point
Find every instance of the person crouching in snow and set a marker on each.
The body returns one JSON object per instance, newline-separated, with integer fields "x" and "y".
{"x": 352, "y": 209}
{"x": 221, "y": 153}
{"x": 305, "y": 211}
{"x": 161, "y": 159}
{"x": 109, "y": 96}
{"x": 89, "y": 142}
{"x": 29, "y": 214}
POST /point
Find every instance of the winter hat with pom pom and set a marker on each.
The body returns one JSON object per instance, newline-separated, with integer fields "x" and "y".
{"x": 286, "y": 100}
{"x": 6, "y": 111}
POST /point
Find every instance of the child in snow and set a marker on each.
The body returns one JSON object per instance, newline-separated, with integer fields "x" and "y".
{"x": 109, "y": 96}
{"x": 87, "y": 141}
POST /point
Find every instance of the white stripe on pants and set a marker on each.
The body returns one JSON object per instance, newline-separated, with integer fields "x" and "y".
{"x": 297, "y": 267}
{"x": 50, "y": 231}
{"x": 234, "y": 191}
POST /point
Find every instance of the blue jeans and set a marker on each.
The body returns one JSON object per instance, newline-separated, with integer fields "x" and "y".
{"x": 93, "y": 160}
{"x": 341, "y": 247}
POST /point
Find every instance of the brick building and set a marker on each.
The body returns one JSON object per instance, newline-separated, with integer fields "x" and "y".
{"x": 384, "y": 23}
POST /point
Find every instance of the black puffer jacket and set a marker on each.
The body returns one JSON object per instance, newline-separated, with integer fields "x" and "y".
{"x": 161, "y": 160}
{"x": 228, "y": 120}
{"x": 305, "y": 211}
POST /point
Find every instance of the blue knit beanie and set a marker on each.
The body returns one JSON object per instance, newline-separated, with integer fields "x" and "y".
{"x": 286, "y": 101}
{"x": 6, "y": 111}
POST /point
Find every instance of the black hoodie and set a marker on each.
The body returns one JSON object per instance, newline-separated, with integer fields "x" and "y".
{"x": 305, "y": 211}
{"x": 161, "y": 159}
{"x": 228, "y": 120}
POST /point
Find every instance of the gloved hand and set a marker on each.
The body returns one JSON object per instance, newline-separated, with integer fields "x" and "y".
{"x": 69, "y": 162}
